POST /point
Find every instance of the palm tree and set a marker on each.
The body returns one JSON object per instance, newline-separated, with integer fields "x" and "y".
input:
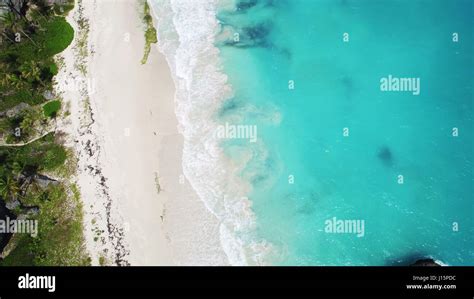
{"x": 14, "y": 25}
{"x": 3, "y": 74}
{"x": 30, "y": 71}
{"x": 9, "y": 189}
{"x": 41, "y": 7}
{"x": 10, "y": 22}
{"x": 18, "y": 7}
{"x": 11, "y": 80}
{"x": 27, "y": 125}
{"x": 17, "y": 169}
{"x": 3, "y": 29}
{"x": 6, "y": 36}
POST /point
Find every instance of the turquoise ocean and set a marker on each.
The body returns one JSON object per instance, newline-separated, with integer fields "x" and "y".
{"x": 303, "y": 73}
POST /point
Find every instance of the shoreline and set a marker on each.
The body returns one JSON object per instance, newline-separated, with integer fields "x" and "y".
{"x": 193, "y": 230}
{"x": 112, "y": 122}
{"x": 203, "y": 87}
{"x": 139, "y": 207}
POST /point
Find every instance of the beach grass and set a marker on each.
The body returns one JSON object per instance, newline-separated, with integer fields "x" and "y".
{"x": 150, "y": 32}
{"x": 60, "y": 238}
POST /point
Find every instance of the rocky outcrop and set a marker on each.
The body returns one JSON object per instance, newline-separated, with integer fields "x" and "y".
{"x": 15, "y": 110}
{"x": 43, "y": 181}
{"x": 426, "y": 263}
{"x": 12, "y": 204}
{"x": 4, "y": 238}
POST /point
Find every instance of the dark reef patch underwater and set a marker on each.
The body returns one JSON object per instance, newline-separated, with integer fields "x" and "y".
{"x": 254, "y": 33}
{"x": 385, "y": 155}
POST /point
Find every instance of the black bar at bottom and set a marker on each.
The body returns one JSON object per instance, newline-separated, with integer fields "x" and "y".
{"x": 222, "y": 282}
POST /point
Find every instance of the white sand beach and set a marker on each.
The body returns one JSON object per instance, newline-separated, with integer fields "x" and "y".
{"x": 139, "y": 208}
{"x": 131, "y": 101}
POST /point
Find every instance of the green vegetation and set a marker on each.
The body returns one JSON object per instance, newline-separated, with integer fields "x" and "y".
{"x": 22, "y": 126}
{"x": 30, "y": 37}
{"x": 60, "y": 239}
{"x": 51, "y": 109}
{"x": 150, "y": 32}
{"x": 102, "y": 261}
{"x": 42, "y": 155}
{"x": 157, "y": 183}
{"x": 26, "y": 57}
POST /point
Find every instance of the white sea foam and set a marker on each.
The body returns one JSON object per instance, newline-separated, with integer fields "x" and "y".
{"x": 186, "y": 35}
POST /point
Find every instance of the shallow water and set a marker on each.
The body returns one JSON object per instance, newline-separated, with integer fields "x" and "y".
{"x": 304, "y": 171}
